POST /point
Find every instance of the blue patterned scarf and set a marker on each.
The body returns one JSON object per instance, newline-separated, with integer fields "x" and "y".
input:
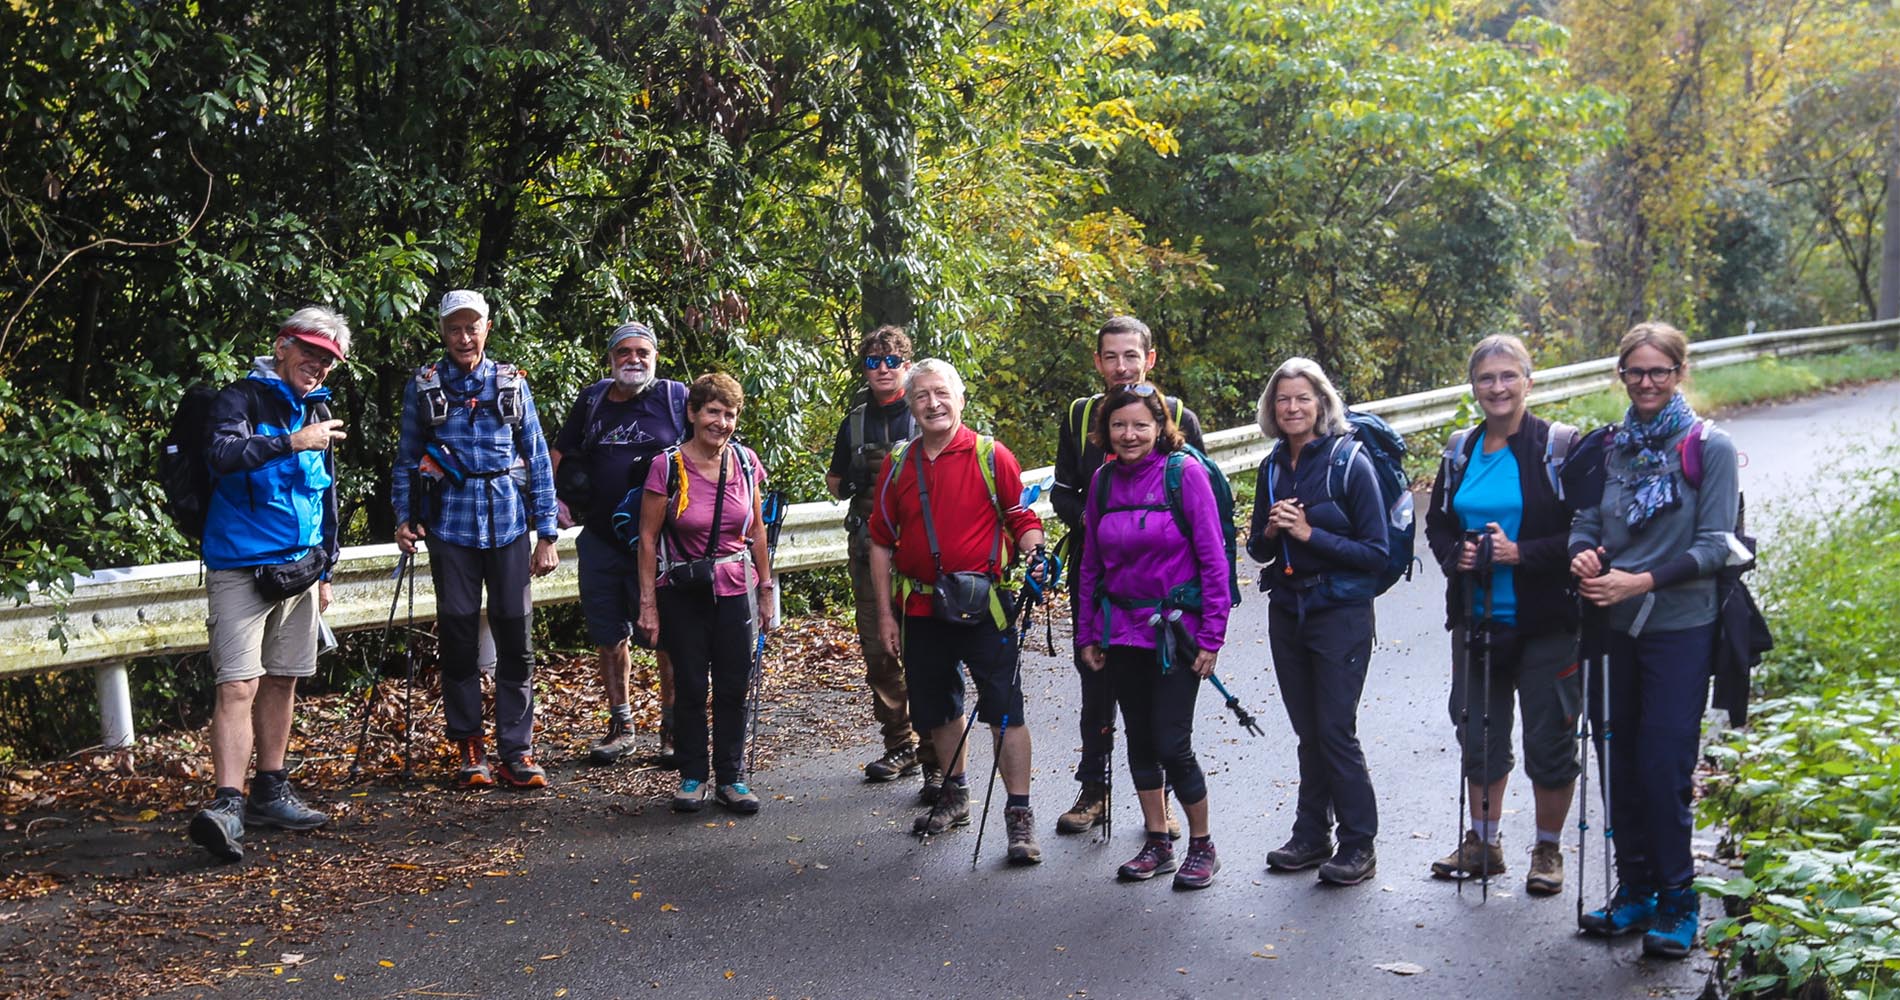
{"x": 1646, "y": 442}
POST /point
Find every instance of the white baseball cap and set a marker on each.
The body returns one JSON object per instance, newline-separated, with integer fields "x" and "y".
{"x": 461, "y": 299}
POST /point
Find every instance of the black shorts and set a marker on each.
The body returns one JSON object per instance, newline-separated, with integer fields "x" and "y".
{"x": 610, "y": 589}
{"x": 934, "y": 649}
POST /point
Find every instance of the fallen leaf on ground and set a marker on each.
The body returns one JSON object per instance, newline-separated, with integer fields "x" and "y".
{"x": 1400, "y": 968}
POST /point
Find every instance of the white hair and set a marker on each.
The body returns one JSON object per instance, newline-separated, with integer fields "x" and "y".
{"x": 324, "y": 322}
{"x": 938, "y": 367}
{"x": 1332, "y": 410}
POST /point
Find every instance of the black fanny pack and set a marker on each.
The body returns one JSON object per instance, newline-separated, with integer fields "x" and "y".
{"x": 694, "y": 575}
{"x": 961, "y": 598}
{"x": 279, "y": 581}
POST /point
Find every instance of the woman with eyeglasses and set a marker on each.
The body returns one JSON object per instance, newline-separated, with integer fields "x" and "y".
{"x": 1321, "y": 533}
{"x": 1501, "y": 529}
{"x": 1153, "y": 613}
{"x": 1647, "y": 555}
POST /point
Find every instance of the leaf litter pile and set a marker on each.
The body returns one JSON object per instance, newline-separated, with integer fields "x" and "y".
{"x": 101, "y": 894}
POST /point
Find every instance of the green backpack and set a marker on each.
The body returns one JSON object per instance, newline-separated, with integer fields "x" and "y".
{"x": 1223, "y": 502}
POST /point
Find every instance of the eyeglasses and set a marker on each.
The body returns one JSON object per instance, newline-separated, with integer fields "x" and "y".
{"x": 1635, "y": 376}
{"x": 1490, "y": 380}
{"x": 1142, "y": 389}
{"x": 891, "y": 361}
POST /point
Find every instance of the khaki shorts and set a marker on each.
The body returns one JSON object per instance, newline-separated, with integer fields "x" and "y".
{"x": 250, "y": 637}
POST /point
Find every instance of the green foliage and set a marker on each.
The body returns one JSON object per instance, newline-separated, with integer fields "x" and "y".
{"x": 1807, "y": 792}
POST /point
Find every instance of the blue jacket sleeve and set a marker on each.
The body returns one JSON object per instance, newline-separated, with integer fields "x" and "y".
{"x": 1366, "y": 549}
{"x": 234, "y": 444}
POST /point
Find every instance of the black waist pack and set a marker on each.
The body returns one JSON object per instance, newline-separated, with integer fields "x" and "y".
{"x": 279, "y": 581}
{"x": 693, "y": 574}
{"x": 961, "y": 598}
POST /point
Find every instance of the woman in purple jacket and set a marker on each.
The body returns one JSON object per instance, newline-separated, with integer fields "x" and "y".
{"x": 1154, "y": 614}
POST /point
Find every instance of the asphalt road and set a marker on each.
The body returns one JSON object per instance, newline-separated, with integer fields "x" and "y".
{"x": 825, "y": 894}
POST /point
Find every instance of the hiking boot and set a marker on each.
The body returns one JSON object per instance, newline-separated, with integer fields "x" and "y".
{"x": 668, "y": 758}
{"x": 896, "y": 762}
{"x": 1678, "y": 917}
{"x": 738, "y": 798}
{"x": 522, "y": 772}
{"x": 1473, "y": 857}
{"x": 1630, "y": 909}
{"x": 616, "y": 745}
{"x": 1297, "y": 855}
{"x": 1156, "y": 857}
{"x": 690, "y": 797}
{"x": 1090, "y": 809}
{"x": 1547, "y": 869}
{"x": 1167, "y": 812}
{"x": 952, "y": 808}
{"x": 474, "y": 771}
{"x": 1197, "y": 872}
{"x": 1350, "y": 866}
{"x": 219, "y": 826}
{"x": 1020, "y": 822}
{"x": 286, "y": 811}
{"x": 933, "y": 785}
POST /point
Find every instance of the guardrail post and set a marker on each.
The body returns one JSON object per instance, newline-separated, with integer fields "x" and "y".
{"x": 115, "y": 705}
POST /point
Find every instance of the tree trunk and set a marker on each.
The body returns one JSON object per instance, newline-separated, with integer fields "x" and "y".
{"x": 1890, "y": 235}
{"x": 887, "y": 173}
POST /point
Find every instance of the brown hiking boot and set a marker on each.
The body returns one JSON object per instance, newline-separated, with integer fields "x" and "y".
{"x": 1547, "y": 869}
{"x": 1472, "y": 858}
{"x": 1020, "y": 821}
{"x": 952, "y": 809}
{"x": 1167, "y": 812}
{"x": 1090, "y": 809}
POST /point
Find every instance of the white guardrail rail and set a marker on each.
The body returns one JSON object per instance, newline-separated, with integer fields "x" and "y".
{"x": 117, "y": 615}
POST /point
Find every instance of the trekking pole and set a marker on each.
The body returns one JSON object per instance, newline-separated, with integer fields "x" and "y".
{"x": 376, "y": 670}
{"x": 409, "y": 682}
{"x": 1603, "y": 756}
{"x": 772, "y": 512}
{"x": 1464, "y": 721}
{"x": 1241, "y": 715}
{"x": 1023, "y": 619}
{"x": 1486, "y": 580}
{"x": 1583, "y": 774}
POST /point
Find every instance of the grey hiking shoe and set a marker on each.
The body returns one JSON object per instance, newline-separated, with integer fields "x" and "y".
{"x": 1472, "y": 859}
{"x": 1547, "y": 869}
{"x": 616, "y": 745}
{"x": 737, "y": 798}
{"x": 1350, "y": 866}
{"x": 952, "y": 809}
{"x": 896, "y": 762}
{"x": 1020, "y": 821}
{"x": 285, "y": 812}
{"x": 218, "y": 827}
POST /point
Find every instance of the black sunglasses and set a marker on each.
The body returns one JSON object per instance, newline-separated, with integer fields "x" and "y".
{"x": 891, "y": 361}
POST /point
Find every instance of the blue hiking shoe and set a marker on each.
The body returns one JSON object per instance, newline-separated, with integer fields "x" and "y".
{"x": 1631, "y": 909}
{"x": 1678, "y": 918}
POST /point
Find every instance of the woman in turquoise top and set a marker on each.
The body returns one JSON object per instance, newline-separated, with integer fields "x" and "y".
{"x": 1496, "y": 494}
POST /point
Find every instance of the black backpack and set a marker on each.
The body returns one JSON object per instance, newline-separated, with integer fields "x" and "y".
{"x": 182, "y": 471}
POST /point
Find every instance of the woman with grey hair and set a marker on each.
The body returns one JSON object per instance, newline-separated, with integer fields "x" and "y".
{"x": 1319, "y": 528}
{"x": 1499, "y": 526}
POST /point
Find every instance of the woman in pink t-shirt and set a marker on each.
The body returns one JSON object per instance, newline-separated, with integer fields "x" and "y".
{"x": 704, "y": 568}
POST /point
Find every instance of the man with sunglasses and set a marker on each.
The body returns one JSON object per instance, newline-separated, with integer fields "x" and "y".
{"x": 867, "y": 434}
{"x": 1124, "y": 355}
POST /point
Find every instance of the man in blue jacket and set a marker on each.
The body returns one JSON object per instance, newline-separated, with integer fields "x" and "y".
{"x": 472, "y": 477}
{"x": 270, "y": 527}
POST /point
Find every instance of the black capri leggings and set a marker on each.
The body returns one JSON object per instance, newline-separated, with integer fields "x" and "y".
{"x": 1158, "y": 717}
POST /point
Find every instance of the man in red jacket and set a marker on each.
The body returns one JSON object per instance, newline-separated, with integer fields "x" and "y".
{"x": 945, "y": 506}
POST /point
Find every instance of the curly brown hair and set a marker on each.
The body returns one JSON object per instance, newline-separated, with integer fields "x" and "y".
{"x": 715, "y": 386}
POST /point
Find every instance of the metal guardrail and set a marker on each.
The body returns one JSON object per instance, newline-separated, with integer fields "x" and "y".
{"x": 121, "y": 614}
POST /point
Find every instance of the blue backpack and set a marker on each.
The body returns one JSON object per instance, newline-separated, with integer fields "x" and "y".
{"x": 1385, "y": 449}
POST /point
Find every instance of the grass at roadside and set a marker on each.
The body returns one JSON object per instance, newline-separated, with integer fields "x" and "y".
{"x": 1763, "y": 381}
{"x": 1808, "y": 791}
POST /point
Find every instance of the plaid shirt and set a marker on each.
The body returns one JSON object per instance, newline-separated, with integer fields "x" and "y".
{"x": 486, "y": 511}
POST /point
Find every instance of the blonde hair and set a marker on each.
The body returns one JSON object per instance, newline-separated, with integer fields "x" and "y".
{"x": 1332, "y": 410}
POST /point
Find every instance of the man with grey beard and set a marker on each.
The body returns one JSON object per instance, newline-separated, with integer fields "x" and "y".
{"x": 616, "y": 427}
